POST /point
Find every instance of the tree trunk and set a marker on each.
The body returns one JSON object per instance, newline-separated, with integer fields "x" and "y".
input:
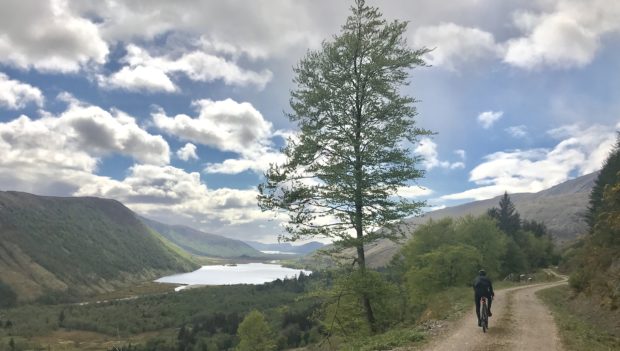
{"x": 370, "y": 317}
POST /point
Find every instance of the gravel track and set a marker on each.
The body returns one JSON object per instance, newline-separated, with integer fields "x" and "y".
{"x": 520, "y": 322}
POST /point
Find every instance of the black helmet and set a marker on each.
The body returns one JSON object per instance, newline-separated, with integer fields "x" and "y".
{"x": 482, "y": 272}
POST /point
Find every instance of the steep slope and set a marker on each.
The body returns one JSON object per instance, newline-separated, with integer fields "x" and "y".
{"x": 562, "y": 208}
{"x": 303, "y": 249}
{"x": 201, "y": 243}
{"x": 77, "y": 246}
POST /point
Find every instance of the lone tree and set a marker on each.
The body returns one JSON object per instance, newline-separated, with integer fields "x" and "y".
{"x": 508, "y": 219}
{"x": 353, "y": 151}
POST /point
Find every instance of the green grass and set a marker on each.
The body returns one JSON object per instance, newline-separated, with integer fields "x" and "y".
{"x": 395, "y": 337}
{"x": 576, "y": 332}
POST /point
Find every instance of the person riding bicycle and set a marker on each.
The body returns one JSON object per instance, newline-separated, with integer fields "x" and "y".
{"x": 483, "y": 287}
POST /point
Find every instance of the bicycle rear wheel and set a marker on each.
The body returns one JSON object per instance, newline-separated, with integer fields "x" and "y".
{"x": 484, "y": 316}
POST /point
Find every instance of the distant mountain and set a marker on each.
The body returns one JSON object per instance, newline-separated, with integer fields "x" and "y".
{"x": 561, "y": 208}
{"x": 78, "y": 246}
{"x": 287, "y": 247}
{"x": 201, "y": 243}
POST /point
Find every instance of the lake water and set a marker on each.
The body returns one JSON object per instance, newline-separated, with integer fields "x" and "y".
{"x": 269, "y": 252}
{"x": 250, "y": 273}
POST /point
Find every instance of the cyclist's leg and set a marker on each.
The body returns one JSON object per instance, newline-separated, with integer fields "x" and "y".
{"x": 489, "y": 302}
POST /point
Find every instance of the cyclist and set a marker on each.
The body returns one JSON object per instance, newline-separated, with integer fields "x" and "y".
{"x": 483, "y": 287}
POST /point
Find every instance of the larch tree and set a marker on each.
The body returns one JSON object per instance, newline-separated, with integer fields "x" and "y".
{"x": 357, "y": 130}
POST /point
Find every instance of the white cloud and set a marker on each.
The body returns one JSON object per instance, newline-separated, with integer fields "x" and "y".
{"x": 256, "y": 29}
{"x": 488, "y": 118}
{"x": 454, "y": 44}
{"x": 187, "y": 152}
{"x": 567, "y": 36}
{"x": 226, "y": 125}
{"x": 519, "y": 131}
{"x": 74, "y": 141}
{"x": 413, "y": 191}
{"x": 461, "y": 154}
{"x": 138, "y": 78}
{"x": 582, "y": 151}
{"x": 170, "y": 192}
{"x": 145, "y": 72}
{"x": 16, "y": 95}
{"x": 258, "y": 162}
{"x": 101, "y": 133}
{"x": 427, "y": 148}
{"x": 48, "y": 36}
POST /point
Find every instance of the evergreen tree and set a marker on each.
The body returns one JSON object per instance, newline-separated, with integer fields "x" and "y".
{"x": 255, "y": 334}
{"x": 508, "y": 219}
{"x": 354, "y": 149}
{"x": 539, "y": 229}
{"x": 608, "y": 173}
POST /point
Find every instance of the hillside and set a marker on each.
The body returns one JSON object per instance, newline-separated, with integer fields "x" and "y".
{"x": 201, "y": 243}
{"x": 303, "y": 249}
{"x": 562, "y": 208}
{"x": 77, "y": 246}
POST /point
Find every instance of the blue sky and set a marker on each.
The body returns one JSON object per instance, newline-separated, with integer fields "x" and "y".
{"x": 176, "y": 108}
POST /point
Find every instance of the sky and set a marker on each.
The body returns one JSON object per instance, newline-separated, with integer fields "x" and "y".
{"x": 176, "y": 108}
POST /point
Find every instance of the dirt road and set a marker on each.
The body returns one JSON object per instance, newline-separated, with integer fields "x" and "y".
{"x": 520, "y": 322}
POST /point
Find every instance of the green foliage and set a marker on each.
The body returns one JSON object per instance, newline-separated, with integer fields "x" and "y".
{"x": 607, "y": 175}
{"x": 449, "y": 265}
{"x": 446, "y": 254}
{"x": 470, "y": 235}
{"x": 353, "y": 152}
{"x": 210, "y": 316}
{"x": 596, "y": 260}
{"x": 8, "y": 297}
{"x": 343, "y": 313}
{"x": 482, "y": 234}
{"x": 528, "y": 244}
{"x": 508, "y": 219}
{"x": 514, "y": 260}
{"x": 255, "y": 334}
{"x": 537, "y": 228}
{"x": 353, "y": 123}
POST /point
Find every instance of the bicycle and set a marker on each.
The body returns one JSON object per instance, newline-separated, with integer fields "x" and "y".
{"x": 484, "y": 314}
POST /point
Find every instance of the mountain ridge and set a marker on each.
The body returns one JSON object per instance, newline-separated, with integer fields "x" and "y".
{"x": 78, "y": 246}
{"x": 201, "y": 243}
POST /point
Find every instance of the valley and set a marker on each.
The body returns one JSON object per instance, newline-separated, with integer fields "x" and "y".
{"x": 141, "y": 312}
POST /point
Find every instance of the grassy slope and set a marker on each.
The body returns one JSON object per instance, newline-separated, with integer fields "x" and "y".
{"x": 200, "y": 243}
{"x": 576, "y": 328}
{"x": 84, "y": 245}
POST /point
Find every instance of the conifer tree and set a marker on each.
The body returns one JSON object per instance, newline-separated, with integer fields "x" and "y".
{"x": 354, "y": 148}
{"x": 608, "y": 174}
{"x": 508, "y": 219}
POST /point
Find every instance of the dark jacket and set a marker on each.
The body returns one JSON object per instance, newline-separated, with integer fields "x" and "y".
{"x": 483, "y": 286}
